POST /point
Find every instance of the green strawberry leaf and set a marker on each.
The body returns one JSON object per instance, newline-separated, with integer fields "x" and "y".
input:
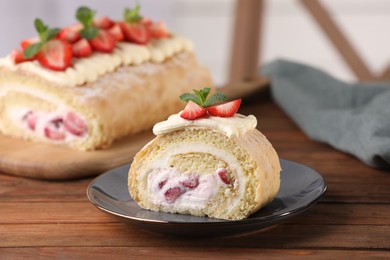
{"x": 32, "y": 50}
{"x": 132, "y": 15}
{"x": 216, "y": 98}
{"x": 194, "y": 98}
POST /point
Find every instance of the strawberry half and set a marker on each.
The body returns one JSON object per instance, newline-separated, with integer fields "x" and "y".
{"x": 55, "y": 54}
{"x": 74, "y": 124}
{"x": 193, "y": 111}
{"x": 116, "y": 31}
{"x": 135, "y": 32}
{"x": 17, "y": 56}
{"x": 103, "y": 42}
{"x": 81, "y": 48}
{"x": 226, "y": 109}
{"x": 70, "y": 34}
{"x": 25, "y": 43}
{"x": 158, "y": 30}
{"x": 103, "y": 22}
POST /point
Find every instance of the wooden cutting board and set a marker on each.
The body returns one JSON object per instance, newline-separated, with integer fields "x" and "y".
{"x": 44, "y": 161}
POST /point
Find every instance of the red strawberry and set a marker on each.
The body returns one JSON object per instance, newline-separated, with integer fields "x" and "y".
{"x": 74, "y": 124}
{"x": 81, "y": 48}
{"x": 70, "y": 34}
{"x": 18, "y": 57}
{"x": 25, "y": 43}
{"x": 223, "y": 175}
{"x": 116, "y": 31}
{"x": 158, "y": 30}
{"x": 226, "y": 109}
{"x": 103, "y": 42}
{"x": 55, "y": 54}
{"x": 54, "y": 131}
{"x": 191, "y": 182}
{"x": 135, "y": 32}
{"x": 172, "y": 194}
{"x": 193, "y": 111}
{"x": 162, "y": 183}
{"x": 103, "y": 22}
{"x": 146, "y": 21}
{"x": 31, "y": 119}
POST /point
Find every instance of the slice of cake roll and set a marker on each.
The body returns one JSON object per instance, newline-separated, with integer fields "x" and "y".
{"x": 214, "y": 165}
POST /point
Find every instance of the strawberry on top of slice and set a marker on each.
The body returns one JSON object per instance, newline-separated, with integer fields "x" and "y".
{"x": 52, "y": 53}
{"x": 18, "y": 57}
{"x": 70, "y": 33}
{"x": 99, "y": 39}
{"x": 158, "y": 30}
{"x": 133, "y": 27}
{"x": 226, "y": 109}
{"x": 56, "y": 54}
{"x": 27, "y": 42}
{"x": 193, "y": 111}
{"x": 116, "y": 31}
{"x": 103, "y": 22}
{"x": 199, "y": 105}
{"x": 81, "y": 48}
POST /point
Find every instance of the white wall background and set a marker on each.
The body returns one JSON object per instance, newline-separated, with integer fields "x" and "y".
{"x": 289, "y": 31}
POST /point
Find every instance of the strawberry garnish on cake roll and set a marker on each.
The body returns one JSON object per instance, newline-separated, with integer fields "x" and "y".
{"x": 206, "y": 160}
{"x": 92, "y": 82}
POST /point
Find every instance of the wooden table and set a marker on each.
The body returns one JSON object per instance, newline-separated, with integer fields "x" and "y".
{"x": 53, "y": 219}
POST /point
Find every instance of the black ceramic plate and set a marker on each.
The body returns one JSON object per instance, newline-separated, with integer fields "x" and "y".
{"x": 301, "y": 187}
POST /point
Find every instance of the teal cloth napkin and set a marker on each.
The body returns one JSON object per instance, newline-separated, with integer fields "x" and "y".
{"x": 354, "y": 118}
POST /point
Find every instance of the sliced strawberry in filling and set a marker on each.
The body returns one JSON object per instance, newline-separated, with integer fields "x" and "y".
{"x": 161, "y": 184}
{"x": 31, "y": 119}
{"x": 191, "y": 182}
{"x": 223, "y": 176}
{"x": 172, "y": 194}
{"x": 54, "y": 130}
{"x": 74, "y": 124}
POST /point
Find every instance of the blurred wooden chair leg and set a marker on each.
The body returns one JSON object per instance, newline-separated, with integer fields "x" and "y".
{"x": 341, "y": 43}
{"x": 246, "y": 40}
{"x": 244, "y": 75}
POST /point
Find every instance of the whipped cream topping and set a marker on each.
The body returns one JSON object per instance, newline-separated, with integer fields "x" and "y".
{"x": 231, "y": 126}
{"x": 88, "y": 69}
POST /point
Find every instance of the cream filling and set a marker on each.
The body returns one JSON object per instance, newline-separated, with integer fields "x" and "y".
{"x": 88, "y": 69}
{"x": 162, "y": 162}
{"x": 231, "y": 126}
{"x": 43, "y": 120}
{"x": 16, "y": 114}
{"x": 191, "y": 198}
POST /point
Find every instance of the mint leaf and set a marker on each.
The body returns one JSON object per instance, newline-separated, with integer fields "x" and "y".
{"x": 85, "y": 16}
{"x": 188, "y": 96}
{"x": 50, "y": 34}
{"x": 132, "y": 15}
{"x": 89, "y": 32}
{"x": 32, "y": 50}
{"x": 40, "y": 26}
{"x": 216, "y": 98}
{"x": 200, "y": 95}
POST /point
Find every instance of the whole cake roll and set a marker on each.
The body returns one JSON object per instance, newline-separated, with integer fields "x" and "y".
{"x": 206, "y": 161}
{"x": 85, "y": 90}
